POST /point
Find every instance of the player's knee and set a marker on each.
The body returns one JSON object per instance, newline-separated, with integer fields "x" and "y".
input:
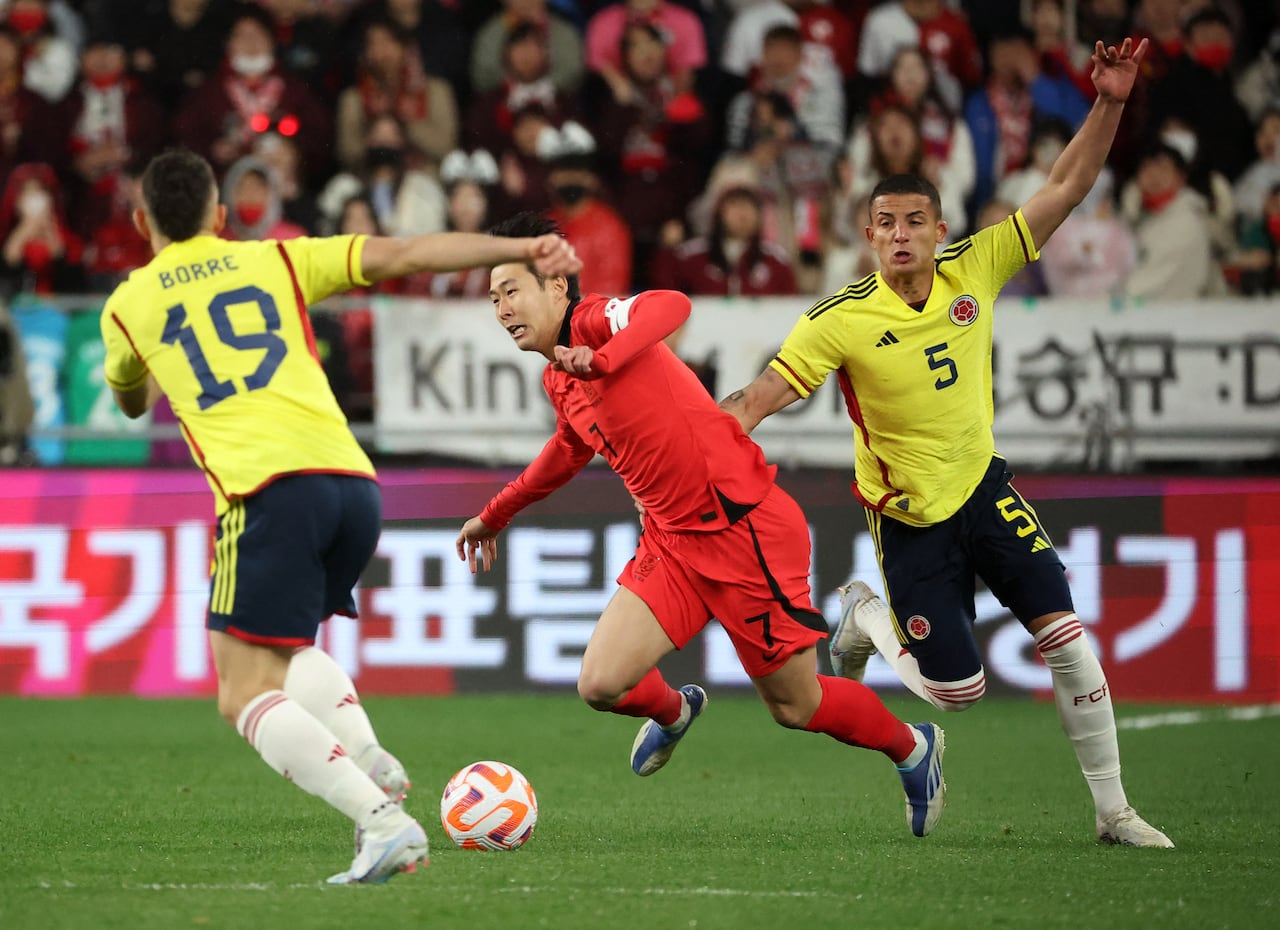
{"x": 789, "y": 714}
{"x": 230, "y": 705}
{"x": 598, "y": 691}
{"x": 955, "y": 696}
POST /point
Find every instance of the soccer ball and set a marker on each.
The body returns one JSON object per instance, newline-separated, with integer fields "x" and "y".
{"x": 488, "y": 805}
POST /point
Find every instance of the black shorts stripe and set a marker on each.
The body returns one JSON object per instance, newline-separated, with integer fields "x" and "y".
{"x": 808, "y": 618}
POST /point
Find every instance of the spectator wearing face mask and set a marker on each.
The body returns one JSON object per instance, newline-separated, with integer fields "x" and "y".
{"x": 1199, "y": 91}
{"x": 1048, "y": 138}
{"x": 595, "y": 230}
{"x": 49, "y": 61}
{"x": 253, "y": 204}
{"x": 251, "y": 95}
{"x": 38, "y": 251}
{"x": 106, "y": 122}
{"x": 407, "y": 200}
{"x": 390, "y": 79}
{"x": 1175, "y": 258}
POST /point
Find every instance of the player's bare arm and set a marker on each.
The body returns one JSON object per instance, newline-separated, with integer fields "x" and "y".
{"x": 766, "y": 395}
{"x": 477, "y": 539}
{"x": 137, "y": 401}
{"x": 388, "y": 257}
{"x": 1077, "y": 168}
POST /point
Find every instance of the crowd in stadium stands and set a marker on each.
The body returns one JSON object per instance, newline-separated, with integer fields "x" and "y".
{"x": 721, "y": 147}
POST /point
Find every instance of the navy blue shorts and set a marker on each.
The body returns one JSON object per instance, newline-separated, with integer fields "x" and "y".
{"x": 929, "y": 573}
{"x": 287, "y": 557}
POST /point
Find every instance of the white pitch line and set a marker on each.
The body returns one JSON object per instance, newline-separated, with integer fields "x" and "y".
{"x": 690, "y": 892}
{"x": 1184, "y": 718}
{"x": 194, "y": 886}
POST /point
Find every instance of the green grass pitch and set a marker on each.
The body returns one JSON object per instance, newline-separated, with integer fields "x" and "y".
{"x": 116, "y": 813}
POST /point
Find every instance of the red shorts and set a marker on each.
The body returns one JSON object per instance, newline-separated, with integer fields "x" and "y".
{"x": 753, "y": 577}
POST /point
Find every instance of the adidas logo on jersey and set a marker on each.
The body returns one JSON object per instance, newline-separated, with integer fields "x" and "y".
{"x": 888, "y": 339}
{"x": 1039, "y": 544}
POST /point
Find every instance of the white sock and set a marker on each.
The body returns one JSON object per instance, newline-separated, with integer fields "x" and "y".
{"x": 327, "y": 693}
{"x": 1084, "y": 707}
{"x": 917, "y": 754}
{"x": 876, "y": 621}
{"x": 300, "y": 748}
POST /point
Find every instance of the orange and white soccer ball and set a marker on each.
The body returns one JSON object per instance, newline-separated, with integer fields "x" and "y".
{"x": 489, "y": 805}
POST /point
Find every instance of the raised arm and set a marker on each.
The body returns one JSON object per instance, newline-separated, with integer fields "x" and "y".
{"x": 1077, "y": 168}
{"x": 636, "y": 323}
{"x": 387, "y": 257}
{"x": 767, "y": 394}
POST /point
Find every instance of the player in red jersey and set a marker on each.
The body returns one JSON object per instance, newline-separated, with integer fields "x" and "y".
{"x": 720, "y": 538}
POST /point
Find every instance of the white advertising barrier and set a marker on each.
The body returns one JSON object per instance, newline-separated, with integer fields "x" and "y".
{"x": 1076, "y": 383}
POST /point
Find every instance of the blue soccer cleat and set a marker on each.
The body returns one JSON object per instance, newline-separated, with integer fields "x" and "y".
{"x": 926, "y": 789}
{"x": 654, "y": 744}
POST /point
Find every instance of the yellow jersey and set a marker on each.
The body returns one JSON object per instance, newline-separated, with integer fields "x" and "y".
{"x": 917, "y": 382}
{"x": 223, "y": 328}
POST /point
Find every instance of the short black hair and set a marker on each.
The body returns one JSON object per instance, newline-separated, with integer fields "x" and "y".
{"x": 1165, "y": 150}
{"x": 1208, "y": 15}
{"x": 177, "y": 187}
{"x": 906, "y": 184}
{"x": 531, "y": 224}
{"x": 243, "y": 10}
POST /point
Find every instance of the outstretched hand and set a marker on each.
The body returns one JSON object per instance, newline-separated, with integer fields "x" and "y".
{"x": 477, "y": 537}
{"x": 553, "y": 255}
{"x": 1115, "y": 70}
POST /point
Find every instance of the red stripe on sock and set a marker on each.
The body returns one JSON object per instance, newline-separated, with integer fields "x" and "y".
{"x": 651, "y": 697}
{"x": 851, "y": 713}
{"x": 1059, "y": 638}
{"x": 966, "y": 697}
{"x": 256, "y": 715}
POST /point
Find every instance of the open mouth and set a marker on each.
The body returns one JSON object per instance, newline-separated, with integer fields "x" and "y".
{"x": 902, "y": 255}
{"x": 516, "y": 330}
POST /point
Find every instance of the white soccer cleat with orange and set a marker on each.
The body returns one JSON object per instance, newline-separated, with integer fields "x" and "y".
{"x": 1126, "y": 828}
{"x": 851, "y": 646}
{"x": 392, "y": 842}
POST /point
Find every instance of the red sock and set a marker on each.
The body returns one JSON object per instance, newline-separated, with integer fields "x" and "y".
{"x": 851, "y": 713}
{"x": 652, "y": 697}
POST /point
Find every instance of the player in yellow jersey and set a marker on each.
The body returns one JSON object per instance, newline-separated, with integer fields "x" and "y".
{"x": 911, "y": 346}
{"x": 221, "y": 329}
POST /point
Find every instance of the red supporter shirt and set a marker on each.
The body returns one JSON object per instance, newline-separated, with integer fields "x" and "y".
{"x": 686, "y": 460}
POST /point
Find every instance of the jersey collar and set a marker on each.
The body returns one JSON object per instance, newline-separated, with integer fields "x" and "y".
{"x": 565, "y": 334}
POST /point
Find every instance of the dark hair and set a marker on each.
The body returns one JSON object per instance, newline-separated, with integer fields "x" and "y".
{"x": 522, "y": 30}
{"x": 1012, "y": 32}
{"x": 242, "y": 11}
{"x": 531, "y": 225}
{"x": 177, "y": 187}
{"x": 1164, "y": 150}
{"x": 784, "y": 32}
{"x": 907, "y": 184}
{"x": 387, "y": 25}
{"x": 1209, "y": 15}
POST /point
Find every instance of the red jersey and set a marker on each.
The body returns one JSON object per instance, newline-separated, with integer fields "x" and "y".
{"x": 686, "y": 460}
